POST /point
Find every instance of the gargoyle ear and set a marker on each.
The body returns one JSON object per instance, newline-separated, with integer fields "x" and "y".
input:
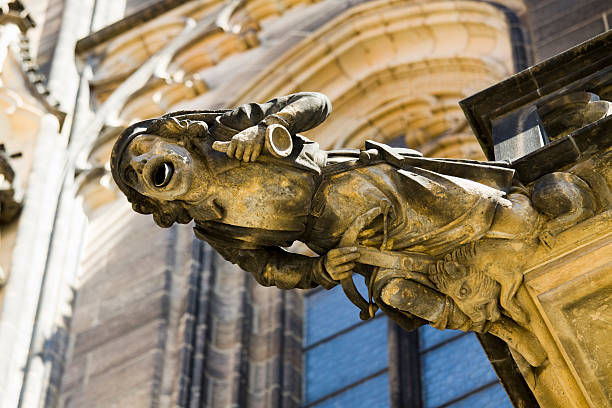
{"x": 197, "y": 129}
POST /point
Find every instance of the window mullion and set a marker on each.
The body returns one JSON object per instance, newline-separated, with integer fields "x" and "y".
{"x": 404, "y": 368}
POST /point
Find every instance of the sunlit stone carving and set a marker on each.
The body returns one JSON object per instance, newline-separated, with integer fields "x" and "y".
{"x": 426, "y": 234}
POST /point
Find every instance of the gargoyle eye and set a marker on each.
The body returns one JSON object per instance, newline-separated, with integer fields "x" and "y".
{"x": 163, "y": 174}
{"x": 464, "y": 291}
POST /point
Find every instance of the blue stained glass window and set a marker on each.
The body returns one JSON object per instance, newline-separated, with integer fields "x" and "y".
{"x": 363, "y": 395}
{"x": 431, "y": 337}
{"x": 490, "y": 397}
{"x": 345, "y": 358}
{"x": 455, "y": 372}
{"x": 328, "y": 312}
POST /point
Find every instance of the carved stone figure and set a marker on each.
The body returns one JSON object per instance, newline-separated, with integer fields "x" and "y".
{"x": 425, "y": 233}
{"x": 10, "y": 194}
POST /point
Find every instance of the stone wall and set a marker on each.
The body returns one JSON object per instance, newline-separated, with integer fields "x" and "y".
{"x": 561, "y": 24}
{"x": 121, "y": 313}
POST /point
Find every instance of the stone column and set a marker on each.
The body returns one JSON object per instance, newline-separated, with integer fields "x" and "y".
{"x": 242, "y": 341}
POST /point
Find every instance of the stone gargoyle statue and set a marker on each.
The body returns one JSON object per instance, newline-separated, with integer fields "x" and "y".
{"x": 425, "y": 233}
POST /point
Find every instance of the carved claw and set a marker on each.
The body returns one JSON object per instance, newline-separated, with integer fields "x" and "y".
{"x": 547, "y": 239}
{"x": 519, "y": 339}
{"x": 492, "y": 311}
{"x": 516, "y": 312}
{"x": 531, "y": 350}
{"x": 507, "y": 298}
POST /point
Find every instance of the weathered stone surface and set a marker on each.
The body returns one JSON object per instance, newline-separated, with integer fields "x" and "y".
{"x": 368, "y": 80}
{"x": 573, "y": 291}
{"x": 565, "y": 279}
{"x": 123, "y": 380}
{"x": 272, "y": 187}
{"x": 114, "y": 353}
{"x": 564, "y": 152}
{"x": 145, "y": 312}
{"x": 555, "y": 28}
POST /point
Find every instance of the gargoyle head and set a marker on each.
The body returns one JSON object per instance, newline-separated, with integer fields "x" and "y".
{"x": 161, "y": 167}
{"x": 474, "y": 292}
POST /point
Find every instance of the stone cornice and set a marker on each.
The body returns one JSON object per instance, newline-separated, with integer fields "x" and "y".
{"x": 128, "y": 23}
{"x": 586, "y": 64}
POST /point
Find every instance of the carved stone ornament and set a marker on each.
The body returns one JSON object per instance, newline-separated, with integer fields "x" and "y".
{"x": 426, "y": 234}
{"x": 10, "y": 195}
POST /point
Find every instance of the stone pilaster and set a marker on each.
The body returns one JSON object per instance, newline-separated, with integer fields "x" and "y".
{"x": 242, "y": 342}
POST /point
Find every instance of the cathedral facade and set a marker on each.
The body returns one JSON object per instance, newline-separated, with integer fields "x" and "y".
{"x": 101, "y": 308}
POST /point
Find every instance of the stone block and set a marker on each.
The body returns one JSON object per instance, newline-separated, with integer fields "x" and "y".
{"x": 558, "y": 20}
{"x": 226, "y": 334}
{"x": 293, "y": 323}
{"x": 292, "y": 351}
{"x": 152, "y": 309}
{"x": 85, "y": 315}
{"x": 259, "y": 377}
{"x": 139, "y": 396}
{"x": 127, "y": 376}
{"x": 259, "y": 401}
{"x": 116, "y": 351}
{"x": 265, "y": 319}
{"x": 132, "y": 381}
{"x": 574, "y": 292}
{"x": 121, "y": 299}
{"x": 218, "y": 362}
{"x": 289, "y": 401}
{"x": 264, "y": 346}
{"x": 571, "y": 38}
{"x": 292, "y": 381}
{"x": 218, "y": 393}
